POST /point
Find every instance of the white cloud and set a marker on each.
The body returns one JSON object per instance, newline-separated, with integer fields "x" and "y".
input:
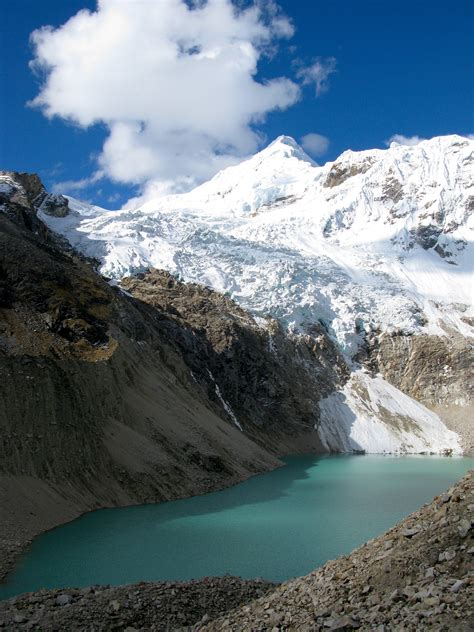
{"x": 69, "y": 186}
{"x": 318, "y": 73}
{"x": 315, "y": 144}
{"x": 404, "y": 140}
{"x": 173, "y": 81}
{"x": 470, "y": 136}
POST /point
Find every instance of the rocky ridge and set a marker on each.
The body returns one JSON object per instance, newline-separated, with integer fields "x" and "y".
{"x": 261, "y": 373}
{"x": 417, "y": 576}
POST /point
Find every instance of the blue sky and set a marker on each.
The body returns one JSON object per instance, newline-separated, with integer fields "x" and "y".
{"x": 401, "y": 68}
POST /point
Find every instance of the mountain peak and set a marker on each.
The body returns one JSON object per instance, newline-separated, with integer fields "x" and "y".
{"x": 285, "y": 140}
{"x": 379, "y": 237}
{"x": 287, "y": 147}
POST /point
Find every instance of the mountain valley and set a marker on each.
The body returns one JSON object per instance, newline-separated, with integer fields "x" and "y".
{"x": 161, "y": 352}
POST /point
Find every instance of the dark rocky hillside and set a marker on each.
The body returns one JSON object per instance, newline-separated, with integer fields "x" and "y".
{"x": 113, "y": 398}
{"x": 266, "y": 377}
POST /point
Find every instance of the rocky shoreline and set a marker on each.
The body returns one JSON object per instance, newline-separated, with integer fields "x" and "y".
{"x": 144, "y": 606}
{"x": 417, "y": 576}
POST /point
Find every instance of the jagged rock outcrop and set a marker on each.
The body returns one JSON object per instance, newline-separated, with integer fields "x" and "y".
{"x": 26, "y": 190}
{"x": 340, "y": 172}
{"x": 435, "y": 370}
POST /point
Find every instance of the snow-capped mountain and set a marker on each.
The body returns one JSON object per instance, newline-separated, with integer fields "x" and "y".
{"x": 376, "y": 241}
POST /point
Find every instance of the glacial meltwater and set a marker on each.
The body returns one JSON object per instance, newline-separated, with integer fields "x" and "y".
{"x": 276, "y": 525}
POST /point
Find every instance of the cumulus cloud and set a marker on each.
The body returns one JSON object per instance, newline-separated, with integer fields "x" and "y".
{"x": 174, "y": 82}
{"x": 315, "y": 144}
{"x": 404, "y": 140}
{"x": 318, "y": 73}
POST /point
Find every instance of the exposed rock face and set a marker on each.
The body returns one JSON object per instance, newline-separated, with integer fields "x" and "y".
{"x": 392, "y": 189}
{"x": 417, "y": 576}
{"x": 30, "y": 183}
{"x": 265, "y": 376}
{"x": 340, "y": 173}
{"x": 435, "y": 370}
{"x": 432, "y": 369}
{"x": 55, "y": 205}
{"x": 27, "y": 190}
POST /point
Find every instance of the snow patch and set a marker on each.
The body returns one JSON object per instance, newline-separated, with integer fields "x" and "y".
{"x": 371, "y": 415}
{"x": 225, "y": 405}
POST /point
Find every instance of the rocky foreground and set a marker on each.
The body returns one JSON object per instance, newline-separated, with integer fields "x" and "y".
{"x": 145, "y": 606}
{"x": 417, "y": 576}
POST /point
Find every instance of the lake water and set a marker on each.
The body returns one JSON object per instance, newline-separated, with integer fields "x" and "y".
{"x": 276, "y": 525}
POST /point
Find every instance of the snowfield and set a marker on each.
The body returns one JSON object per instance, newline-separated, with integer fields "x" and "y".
{"x": 374, "y": 416}
{"x": 376, "y": 240}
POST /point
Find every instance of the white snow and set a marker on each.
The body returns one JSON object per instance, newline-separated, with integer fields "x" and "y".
{"x": 372, "y": 415}
{"x": 225, "y": 404}
{"x": 269, "y": 233}
{"x": 277, "y": 239}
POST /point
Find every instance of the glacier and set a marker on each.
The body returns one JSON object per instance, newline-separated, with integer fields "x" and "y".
{"x": 377, "y": 240}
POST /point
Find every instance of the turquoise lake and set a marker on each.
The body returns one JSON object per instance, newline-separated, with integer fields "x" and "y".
{"x": 276, "y": 525}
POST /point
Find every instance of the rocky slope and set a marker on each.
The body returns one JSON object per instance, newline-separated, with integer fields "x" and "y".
{"x": 261, "y": 376}
{"x": 437, "y": 371}
{"x": 110, "y": 400}
{"x": 144, "y": 606}
{"x": 417, "y": 576}
{"x": 373, "y": 247}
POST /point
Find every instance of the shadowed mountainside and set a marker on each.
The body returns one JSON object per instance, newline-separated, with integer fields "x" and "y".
{"x": 110, "y": 400}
